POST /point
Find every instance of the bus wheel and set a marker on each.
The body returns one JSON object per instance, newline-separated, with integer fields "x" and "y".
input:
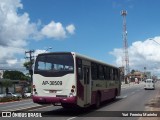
{"x": 115, "y": 94}
{"x": 98, "y": 101}
{"x": 64, "y": 105}
{"x": 68, "y": 106}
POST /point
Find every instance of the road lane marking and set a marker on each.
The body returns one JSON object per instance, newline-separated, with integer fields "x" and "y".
{"x": 122, "y": 96}
{"x": 71, "y": 118}
{"x": 132, "y": 92}
{"x": 17, "y": 105}
{"x": 41, "y": 108}
{"x": 21, "y": 108}
{"x": 15, "y": 101}
{"x": 125, "y": 96}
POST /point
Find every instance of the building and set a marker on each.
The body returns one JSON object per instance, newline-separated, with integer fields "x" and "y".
{"x": 136, "y": 75}
{"x": 18, "y": 86}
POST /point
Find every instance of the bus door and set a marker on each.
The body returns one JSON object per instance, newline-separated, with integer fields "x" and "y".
{"x": 87, "y": 85}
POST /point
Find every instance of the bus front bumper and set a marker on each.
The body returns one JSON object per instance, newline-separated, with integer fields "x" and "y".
{"x": 52, "y": 100}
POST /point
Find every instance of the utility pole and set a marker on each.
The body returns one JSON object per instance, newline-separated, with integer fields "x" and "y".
{"x": 31, "y": 60}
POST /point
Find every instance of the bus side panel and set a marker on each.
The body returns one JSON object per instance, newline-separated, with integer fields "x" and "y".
{"x": 93, "y": 97}
{"x": 108, "y": 94}
{"x": 80, "y": 90}
{"x": 80, "y": 94}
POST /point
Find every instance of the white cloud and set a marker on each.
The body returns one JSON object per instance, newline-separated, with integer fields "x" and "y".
{"x": 54, "y": 30}
{"x": 39, "y": 52}
{"x": 12, "y": 62}
{"x": 141, "y": 54}
{"x": 70, "y": 29}
{"x": 16, "y": 29}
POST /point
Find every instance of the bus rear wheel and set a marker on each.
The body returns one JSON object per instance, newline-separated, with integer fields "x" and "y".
{"x": 67, "y": 105}
{"x": 115, "y": 94}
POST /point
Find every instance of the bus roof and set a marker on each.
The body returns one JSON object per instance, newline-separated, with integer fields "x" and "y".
{"x": 92, "y": 59}
{"x": 81, "y": 56}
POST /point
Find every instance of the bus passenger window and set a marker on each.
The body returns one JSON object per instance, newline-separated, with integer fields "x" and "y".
{"x": 101, "y": 72}
{"x": 107, "y": 73}
{"x": 94, "y": 71}
{"x": 111, "y": 74}
{"x": 79, "y": 69}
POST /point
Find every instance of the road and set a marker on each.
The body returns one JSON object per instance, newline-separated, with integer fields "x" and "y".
{"x": 133, "y": 98}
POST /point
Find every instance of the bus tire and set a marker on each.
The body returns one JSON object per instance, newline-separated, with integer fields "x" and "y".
{"x": 68, "y": 105}
{"x": 115, "y": 94}
{"x": 98, "y": 100}
{"x": 65, "y": 105}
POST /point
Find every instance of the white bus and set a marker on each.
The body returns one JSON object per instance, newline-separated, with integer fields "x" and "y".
{"x": 70, "y": 79}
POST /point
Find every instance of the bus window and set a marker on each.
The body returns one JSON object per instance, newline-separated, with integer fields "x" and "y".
{"x": 44, "y": 66}
{"x": 94, "y": 71}
{"x": 79, "y": 69}
{"x": 111, "y": 73}
{"x": 101, "y": 72}
{"x": 54, "y": 65}
{"x": 114, "y": 74}
{"x": 107, "y": 73}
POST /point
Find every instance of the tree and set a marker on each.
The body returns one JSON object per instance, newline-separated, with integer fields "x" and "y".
{"x": 28, "y": 65}
{"x": 14, "y": 75}
{"x": 6, "y": 84}
{"x": 132, "y": 72}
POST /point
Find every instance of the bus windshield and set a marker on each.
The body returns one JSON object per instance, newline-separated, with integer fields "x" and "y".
{"x": 54, "y": 64}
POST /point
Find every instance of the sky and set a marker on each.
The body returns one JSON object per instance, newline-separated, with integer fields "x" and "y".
{"x": 90, "y": 27}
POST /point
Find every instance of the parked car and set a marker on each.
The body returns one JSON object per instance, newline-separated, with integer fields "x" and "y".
{"x": 11, "y": 95}
{"x": 27, "y": 95}
{"x": 1, "y": 95}
{"x": 149, "y": 84}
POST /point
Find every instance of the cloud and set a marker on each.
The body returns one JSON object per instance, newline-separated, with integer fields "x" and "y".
{"x": 16, "y": 29}
{"x": 70, "y": 29}
{"x": 141, "y": 54}
{"x": 54, "y": 30}
{"x": 39, "y": 52}
{"x": 57, "y": 30}
{"x": 12, "y": 62}
{"x": 123, "y": 4}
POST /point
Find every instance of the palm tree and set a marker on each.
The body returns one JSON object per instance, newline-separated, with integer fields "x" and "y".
{"x": 6, "y": 84}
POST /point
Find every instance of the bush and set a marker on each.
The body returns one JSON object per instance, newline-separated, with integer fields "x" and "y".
{"x": 8, "y": 99}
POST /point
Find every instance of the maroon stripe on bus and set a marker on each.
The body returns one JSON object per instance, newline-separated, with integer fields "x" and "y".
{"x": 80, "y": 90}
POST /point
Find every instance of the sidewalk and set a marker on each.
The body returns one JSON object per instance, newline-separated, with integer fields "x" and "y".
{"x": 152, "y": 105}
{"x": 123, "y": 85}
